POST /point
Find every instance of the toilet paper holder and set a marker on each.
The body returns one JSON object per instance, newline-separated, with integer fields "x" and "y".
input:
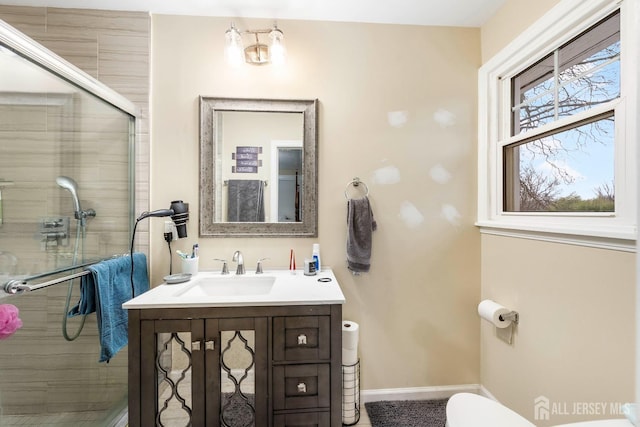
{"x": 512, "y": 315}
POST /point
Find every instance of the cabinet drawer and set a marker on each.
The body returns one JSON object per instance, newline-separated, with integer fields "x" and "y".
{"x": 309, "y": 419}
{"x": 301, "y": 386}
{"x": 301, "y": 338}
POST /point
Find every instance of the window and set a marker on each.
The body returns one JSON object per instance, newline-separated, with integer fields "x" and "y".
{"x": 569, "y": 168}
{"x": 557, "y": 125}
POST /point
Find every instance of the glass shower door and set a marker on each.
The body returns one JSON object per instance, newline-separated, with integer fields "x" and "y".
{"x": 65, "y": 199}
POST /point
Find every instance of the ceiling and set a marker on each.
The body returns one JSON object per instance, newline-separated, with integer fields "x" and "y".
{"x": 459, "y": 13}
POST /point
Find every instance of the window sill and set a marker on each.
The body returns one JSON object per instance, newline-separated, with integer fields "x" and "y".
{"x": 618, "y": 238}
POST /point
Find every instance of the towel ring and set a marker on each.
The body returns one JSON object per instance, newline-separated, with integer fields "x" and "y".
{"x": 356, "y": 183}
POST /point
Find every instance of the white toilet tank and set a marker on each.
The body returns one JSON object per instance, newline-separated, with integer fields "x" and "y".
{"x": 472, "y": 410}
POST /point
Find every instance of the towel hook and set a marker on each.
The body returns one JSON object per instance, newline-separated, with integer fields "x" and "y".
{"x": 356, "y": 183}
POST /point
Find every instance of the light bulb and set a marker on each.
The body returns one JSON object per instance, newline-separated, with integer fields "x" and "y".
{"x": 233, "y": 49}
{"x": 277, "y": 50}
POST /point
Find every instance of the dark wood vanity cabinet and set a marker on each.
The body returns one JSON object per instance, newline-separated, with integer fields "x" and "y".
{"x": 274, "y": 366}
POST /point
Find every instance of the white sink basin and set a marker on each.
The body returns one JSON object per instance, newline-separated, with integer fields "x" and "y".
{"x": 209, "y": 286}
{"x": 274, "y": 287}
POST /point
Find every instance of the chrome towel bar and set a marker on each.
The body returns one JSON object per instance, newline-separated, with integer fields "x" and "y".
{"x": 18, "y": 286}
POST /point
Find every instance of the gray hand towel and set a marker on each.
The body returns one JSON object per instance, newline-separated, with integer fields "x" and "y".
{"x": 245, "y": 200}
{"x": 360, "y": 226}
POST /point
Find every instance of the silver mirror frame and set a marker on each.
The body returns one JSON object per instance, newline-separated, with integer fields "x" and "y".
{"x": 308, "y": 227}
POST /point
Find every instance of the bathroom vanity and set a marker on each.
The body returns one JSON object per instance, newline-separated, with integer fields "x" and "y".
{"x": 226, "y": 350}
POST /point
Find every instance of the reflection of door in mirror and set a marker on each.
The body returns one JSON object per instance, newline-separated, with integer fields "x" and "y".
{"x": 286, "y": 181}
{"x": 246, "y": 147}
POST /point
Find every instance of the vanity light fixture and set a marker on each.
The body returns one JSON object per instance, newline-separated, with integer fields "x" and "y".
{"x": 260, "y": 51}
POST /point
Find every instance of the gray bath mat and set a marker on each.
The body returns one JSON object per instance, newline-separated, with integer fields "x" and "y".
{"x": 407, "y": 413}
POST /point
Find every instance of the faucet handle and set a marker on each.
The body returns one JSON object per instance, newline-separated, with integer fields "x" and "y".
{"x": 225, "y": 269}
{"x": 259, "y": 266}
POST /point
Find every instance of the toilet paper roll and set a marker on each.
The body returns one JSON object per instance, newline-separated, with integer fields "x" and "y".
{"x": 349, "y": 357}
{"x": 348, "y": 379}
{"x": 350, "y": 332}
{"x": 350, "y": 337}
{"x": 491, "y": 311}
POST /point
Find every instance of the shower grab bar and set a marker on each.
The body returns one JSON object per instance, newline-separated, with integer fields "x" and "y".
{"x": 18, "y": 286}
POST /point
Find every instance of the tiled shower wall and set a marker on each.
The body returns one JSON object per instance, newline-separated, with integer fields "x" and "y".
{"x": 113, "y": 47}
{"x": 40, "y": 366}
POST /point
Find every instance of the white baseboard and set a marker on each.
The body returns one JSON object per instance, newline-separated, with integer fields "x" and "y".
{"x": 419, "y": 393}
{"x": 486, "y": 393}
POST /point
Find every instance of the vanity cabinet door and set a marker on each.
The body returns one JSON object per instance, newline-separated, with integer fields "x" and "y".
{"x": 237, "y": 373}
{"x": 171, "y": 372}
{"x": 204, "y": 372}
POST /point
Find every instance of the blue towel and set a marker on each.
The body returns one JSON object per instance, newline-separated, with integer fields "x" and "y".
{"x": 104, "y": 291}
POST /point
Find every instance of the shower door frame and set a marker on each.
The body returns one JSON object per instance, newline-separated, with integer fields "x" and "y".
{"x": 35, "y": 52}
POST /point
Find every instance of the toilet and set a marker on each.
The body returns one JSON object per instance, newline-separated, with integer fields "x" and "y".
{"x": 472, "y": 410}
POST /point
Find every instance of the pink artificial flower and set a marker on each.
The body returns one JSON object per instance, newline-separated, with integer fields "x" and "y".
{"x": 9, "y": 320}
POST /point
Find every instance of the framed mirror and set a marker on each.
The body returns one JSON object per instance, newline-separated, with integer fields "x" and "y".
{"x": 258, "y": 167}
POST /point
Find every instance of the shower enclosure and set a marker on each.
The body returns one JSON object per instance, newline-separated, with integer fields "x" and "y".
{"x": 66, "y": 200}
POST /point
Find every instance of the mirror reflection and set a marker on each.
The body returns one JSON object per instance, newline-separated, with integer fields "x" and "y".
{"x": 258, "y": 172}
{"x": 261, "y": 166}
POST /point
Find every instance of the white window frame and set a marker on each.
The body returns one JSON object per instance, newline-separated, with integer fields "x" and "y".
{"x": 562, "y": 23}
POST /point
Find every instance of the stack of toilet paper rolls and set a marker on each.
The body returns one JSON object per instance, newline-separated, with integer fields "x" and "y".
{"x": 350, "y": 373}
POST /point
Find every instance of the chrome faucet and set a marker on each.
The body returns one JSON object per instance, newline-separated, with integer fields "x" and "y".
{"x": 237, "y": 257}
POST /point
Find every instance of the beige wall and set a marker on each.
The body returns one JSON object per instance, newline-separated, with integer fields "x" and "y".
{"x": 576, "y": 337}
{"x": 417, "y": 306}
{"x": 508, "y": 22}
{"x": 575, "y": 341}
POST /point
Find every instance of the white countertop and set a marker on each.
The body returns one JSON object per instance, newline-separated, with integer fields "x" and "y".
{"x": 287, "y": 289}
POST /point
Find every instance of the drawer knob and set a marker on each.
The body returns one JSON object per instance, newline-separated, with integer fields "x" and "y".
{"x": 210, "y": 345}
{"x": 195, "y": 345}
{"x": 302, "y": 388}
{"x": 302, "y": 339}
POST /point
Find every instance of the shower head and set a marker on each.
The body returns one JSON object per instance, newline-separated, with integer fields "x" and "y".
{"x": 69, "y": 184}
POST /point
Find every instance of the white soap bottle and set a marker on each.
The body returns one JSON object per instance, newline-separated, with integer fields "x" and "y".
{"x": 316, "y": 256}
